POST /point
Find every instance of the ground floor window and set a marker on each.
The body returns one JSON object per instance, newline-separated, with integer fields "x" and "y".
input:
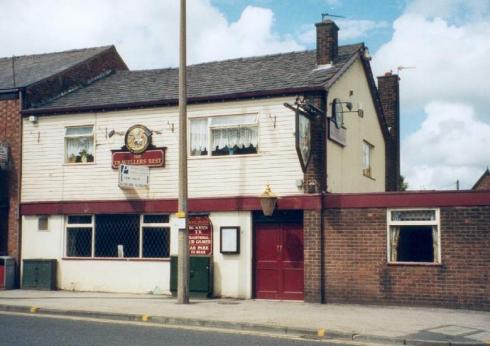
{"x": 414, "y": 235}
{"x": 118, "y": 236}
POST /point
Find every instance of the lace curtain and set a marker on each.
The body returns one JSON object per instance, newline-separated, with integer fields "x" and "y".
{"x": 241, "y": 137}
{"x": 394, "y": 241}
{"x": 199, "y": 136}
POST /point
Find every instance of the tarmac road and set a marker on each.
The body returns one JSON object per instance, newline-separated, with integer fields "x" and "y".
{"x": 20, "y": 329}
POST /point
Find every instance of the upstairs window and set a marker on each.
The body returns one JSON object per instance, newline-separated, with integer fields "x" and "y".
{"x": 224, "y": 135}
{"x": 367, "y": 159}
{"x": 79, "y": 144}
{"x": 413, "y": 236}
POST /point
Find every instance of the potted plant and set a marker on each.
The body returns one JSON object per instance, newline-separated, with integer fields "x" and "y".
{"x": 84, "y": 156}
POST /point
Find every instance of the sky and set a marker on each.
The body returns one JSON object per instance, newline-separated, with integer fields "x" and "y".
{"x": 443, "y": 45}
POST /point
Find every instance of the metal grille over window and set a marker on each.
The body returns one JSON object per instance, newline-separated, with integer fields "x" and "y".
{"x": 413, "y": 215}
{"x": 414, "y": 236}
{"x": 118, "y": 236}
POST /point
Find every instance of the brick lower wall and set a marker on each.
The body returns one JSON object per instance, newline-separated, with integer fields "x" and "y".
{"x": 356, "y": 268}
{"x": 10, "y": 132}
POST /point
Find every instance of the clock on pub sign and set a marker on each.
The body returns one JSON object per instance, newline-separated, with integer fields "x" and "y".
{"x": 137, "y": 139}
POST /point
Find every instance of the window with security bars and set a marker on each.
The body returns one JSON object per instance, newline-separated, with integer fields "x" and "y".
{"x": 118, "y": 236}
{"x": 413, "y": 236}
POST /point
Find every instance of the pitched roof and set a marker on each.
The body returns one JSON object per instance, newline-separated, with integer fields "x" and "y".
{"x": 484, "y": 182}
{"x": 30, "y": 69}
{"x": 213, "y": 80}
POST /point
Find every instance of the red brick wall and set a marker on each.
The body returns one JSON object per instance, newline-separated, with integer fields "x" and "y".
{"x": 10, "y": 132}
{"x": 389, "y": 94}
{"x": 356, "y": 268}
{"x": 483, "y": 183}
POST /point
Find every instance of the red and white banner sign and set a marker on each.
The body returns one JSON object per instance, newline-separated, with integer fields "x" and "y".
{"x": 200, "y": 236}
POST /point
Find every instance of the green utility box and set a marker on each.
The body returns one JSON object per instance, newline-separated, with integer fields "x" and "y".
{"x": 39, "y": 274}
{"x": 201, "y": 276}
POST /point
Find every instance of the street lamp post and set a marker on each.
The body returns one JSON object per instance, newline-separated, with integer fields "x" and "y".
{"x": 183, "y": 255}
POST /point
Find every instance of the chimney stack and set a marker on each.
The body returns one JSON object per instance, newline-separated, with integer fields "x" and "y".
{"x": 389, "y": 94}
{"x": 327, "y": 42}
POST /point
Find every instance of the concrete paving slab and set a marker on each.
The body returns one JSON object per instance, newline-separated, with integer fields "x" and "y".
{"x": 382, "y": 322}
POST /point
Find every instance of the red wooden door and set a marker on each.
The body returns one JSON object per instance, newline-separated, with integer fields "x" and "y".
{"x": 278, "y": 253}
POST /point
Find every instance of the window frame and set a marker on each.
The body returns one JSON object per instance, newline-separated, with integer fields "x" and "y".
{"x": 367, "y": 171}
{"x": 434, "y": 223}
{"x": 210, "y": 127}
{"x": 42, "y": 217}
{"x": 93, "y": 227}
{"x": 65, "y": 136}
{"x": 80, "y": 225}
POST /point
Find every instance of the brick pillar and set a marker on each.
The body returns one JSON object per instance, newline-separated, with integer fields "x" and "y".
{"x": 315, "y": 183}
{"x": 313, "y": 256}
{"x": 10, "y": 132}
{"x": 389, "y": 93}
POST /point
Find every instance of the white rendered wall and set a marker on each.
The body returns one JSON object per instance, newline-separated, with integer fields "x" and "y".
{"x": 344, "y": 164}
{"x": 232, "y": 273}
{"x": 100, "y": 275}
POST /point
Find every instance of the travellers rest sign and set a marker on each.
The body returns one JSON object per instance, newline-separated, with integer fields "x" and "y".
{"x": 150, "y": 158}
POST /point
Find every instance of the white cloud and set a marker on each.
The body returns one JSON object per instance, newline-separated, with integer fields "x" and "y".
{"x": 448, "y": 43}
{"x": 349, "y": 30}
{"x": 452, "y": 144}
{"x": 145, "y": 32}
{"x": 451, "y": 61}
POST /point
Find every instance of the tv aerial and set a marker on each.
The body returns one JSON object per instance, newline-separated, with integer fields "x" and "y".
{"x": 326, "y": 15}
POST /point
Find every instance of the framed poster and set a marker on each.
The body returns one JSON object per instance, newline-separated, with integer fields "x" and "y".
{"x": 230, "y": 240}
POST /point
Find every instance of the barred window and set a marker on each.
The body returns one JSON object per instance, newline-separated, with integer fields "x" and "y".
{"x": 118, "y": 236}
{"x": 413, "y": 236}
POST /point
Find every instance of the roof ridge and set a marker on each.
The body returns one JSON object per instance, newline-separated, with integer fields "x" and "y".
{"x": 58, "y": 52}
{"x": 255, "y": 57}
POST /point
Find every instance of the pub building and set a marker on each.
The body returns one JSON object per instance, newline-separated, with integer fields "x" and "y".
{"x": 289, "y": 158}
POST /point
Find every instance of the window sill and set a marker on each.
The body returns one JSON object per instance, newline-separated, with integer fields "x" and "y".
{"x": 167, "y": 259}
{"x": 79, "y": 164}
{"x": 415, "y": 264}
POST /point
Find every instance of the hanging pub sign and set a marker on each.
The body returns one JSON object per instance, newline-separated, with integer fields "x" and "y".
{"x": 303, "y": 139}
{"x": 336, "y": 129}
{"x": 4, "y": 155}
{"x": 200, "y": 236}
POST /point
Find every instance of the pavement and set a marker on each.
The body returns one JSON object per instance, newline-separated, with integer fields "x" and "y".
{"x": 349, "y": 323}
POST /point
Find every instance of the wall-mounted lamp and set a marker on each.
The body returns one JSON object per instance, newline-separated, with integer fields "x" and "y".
{"x": 268, "y": 201}
{"x": 33, "y": 119}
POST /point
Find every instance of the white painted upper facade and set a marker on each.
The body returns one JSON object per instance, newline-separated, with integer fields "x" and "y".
{"x": 47, "y": 177}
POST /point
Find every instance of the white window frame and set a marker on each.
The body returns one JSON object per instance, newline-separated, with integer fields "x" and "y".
{"x": 367, "y": 171}
{"x": 92, "y": 135}
{"x": 211, "y": 127}
{"x": 140, "y": 236}
{"x": 80, "y": 225}
{"x": 433, "y": 223}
